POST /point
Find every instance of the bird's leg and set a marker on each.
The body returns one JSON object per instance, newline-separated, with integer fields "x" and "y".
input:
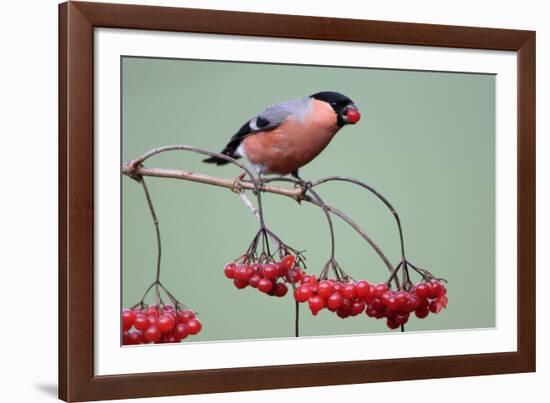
{"x": 303, "y": 184}
{"x": 259, "y": 189}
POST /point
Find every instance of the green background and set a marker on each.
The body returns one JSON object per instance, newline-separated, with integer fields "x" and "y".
{"x": 426, "y": 141}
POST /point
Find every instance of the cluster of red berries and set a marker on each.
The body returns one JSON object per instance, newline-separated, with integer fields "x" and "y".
{"x": 158, "y": 325}
{"x": 350, "y": 298}
{"x": 396, "y": 307}
{"x": 265, "y": 276}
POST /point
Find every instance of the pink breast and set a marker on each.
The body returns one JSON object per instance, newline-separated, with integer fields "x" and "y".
{"x": 295, "y": 142}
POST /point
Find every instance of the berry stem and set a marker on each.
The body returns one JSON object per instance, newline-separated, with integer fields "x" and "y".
{"x": 258, "y": 192}
{"x": 156, "y": 223}
{"x": 296, "y": 318}
{"x": 329, "y": 220}
{"x": 342, "y": 216}
{"x": 378, "y": 195}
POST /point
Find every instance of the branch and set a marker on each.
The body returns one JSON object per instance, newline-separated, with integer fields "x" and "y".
{"x": 135, "y": 169}
{"x": 229, "y": 183}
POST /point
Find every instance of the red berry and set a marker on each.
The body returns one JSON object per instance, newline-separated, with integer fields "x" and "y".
{"x": 343, "y": 313}
{"x": 389, "y": 300}
{"x": 243, "y": 272}
{"x": 436, "y": 289}
{"x": 240, "y": 284}
{"x": 380, "y": 289}
{"x": 141, "y": 322}
{"x": 194, "y": 326}
{"x": 346, "y": 304}
{"x": 254, "y": 280}
{"x": 391, "y": 323}
{"x": 357, "y": 307}
{"x": 371, "y": 312}
{"x": 435, "y": 306}
{"x": 153, "y": 334}
{"x": 181, "y": 331}
{"x": 443, "y": 300}
{"x": 288, "y": 262}
{"x": 362, "y": 289}
{"x": 441, "y": 290}
{"x": 136, "y": 337}
{"x": 280, "y": 289}
{"x": 294, "y": 275}
{"x": 256, "y": 267}
{"x": 126, "y": 339}
{"x": 371, "y": 294}
{"x": 166, "y": 323}
{"x": 316, "y": 303}
{"x": 422, "y": 290}
{"x": 168, "y": 338}
{"x": 348, "y": 290}
{"x": 281, "y": 271}
{"x": 335, "y": 301}
{"x": 422, "y": 311}
{"x": 377, "y": 304}
{"x": 128, "y": 317}
{"x": 401, "y": 297}
{"x": 325, "y": 288}
{"x": 186, "y": 316}
{"x": 265, "y": 285}
{"x": 309, "y": 279}
{"x": 303, "y": 293}
{"x": 152, "y": 310}
{"x": 229, "y": 270}
{"x": 401, "y": 318}
{"x": 269, "y": 271}
{"x": 411, "y": 304}
{"x": 153, "y": 319}
{"x": 353, "y": 115}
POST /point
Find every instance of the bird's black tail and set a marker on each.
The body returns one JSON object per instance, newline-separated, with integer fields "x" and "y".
{"x": 217, "y": 160}
{"x": 229, "y": 150}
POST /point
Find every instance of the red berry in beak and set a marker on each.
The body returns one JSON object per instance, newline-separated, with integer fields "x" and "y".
{"x": 353, "y": 115}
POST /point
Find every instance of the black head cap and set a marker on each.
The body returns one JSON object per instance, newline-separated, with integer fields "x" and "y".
{"x": 338, "y": 102}
{"x": 335, "y": 99}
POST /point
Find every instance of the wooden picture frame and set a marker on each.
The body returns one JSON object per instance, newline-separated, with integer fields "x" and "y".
{"x": 77, "y": 21}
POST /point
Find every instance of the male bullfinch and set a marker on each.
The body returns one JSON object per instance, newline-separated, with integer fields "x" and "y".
{"x": 288, "y": 135}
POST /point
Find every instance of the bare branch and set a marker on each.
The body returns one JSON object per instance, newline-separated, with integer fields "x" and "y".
{"x": 229, "y": 183}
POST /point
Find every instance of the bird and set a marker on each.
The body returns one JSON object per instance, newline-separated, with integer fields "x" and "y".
{"x": 288, "y": 135}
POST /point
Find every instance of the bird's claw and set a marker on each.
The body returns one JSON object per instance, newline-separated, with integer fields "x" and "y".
{"x": 304, "y": 186}
{"x": 237, "y": 183}
{"x": 258, "y": 189}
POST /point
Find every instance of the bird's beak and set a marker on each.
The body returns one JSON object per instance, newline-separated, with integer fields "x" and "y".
{"x": 351, "y": 114}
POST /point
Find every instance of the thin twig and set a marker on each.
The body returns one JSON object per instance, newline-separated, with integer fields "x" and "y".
{"x": 343, "y": 216}
{"x": 377, "y": 194}
{"x": 156, "y": 223}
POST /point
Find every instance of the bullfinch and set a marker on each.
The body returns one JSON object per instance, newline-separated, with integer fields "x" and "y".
{"x": 288, "y": 135}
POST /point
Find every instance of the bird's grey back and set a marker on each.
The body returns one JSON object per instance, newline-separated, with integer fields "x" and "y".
{"x": 277, "y": 113}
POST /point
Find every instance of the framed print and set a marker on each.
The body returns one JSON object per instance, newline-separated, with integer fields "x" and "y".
{"x": 254, "y": 201}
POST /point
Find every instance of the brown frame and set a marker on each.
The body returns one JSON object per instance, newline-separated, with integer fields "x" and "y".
{"x": 77, "y": 21}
